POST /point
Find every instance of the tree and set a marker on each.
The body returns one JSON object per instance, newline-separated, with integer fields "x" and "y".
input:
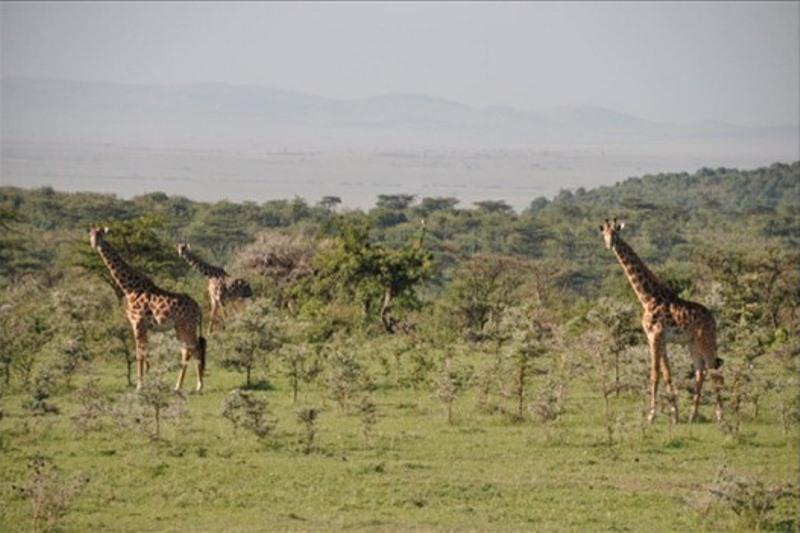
{"x": 247, "y": 411}
{"x": 250, "y": 338}
{"x": 430, "y": 205}
{"x": 282, "y": 261}
{"x": 494, "y": 206}
{"x": 395, "y": 202}
{"x": 355, "y": 269}
{"x": 482, "y": 288}
{"x": 528, "y": 336}
{"x": 329, "y": 203}
{"x": 618, "y": 331}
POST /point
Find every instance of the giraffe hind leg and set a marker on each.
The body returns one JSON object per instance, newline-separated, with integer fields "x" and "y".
{"x": 193, "y": 347}
{"x": 673, "y": 397}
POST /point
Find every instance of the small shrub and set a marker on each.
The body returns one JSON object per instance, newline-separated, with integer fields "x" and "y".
{"x": 40, "y": 391}
{"x": 369, "y": 417}
{"x": 92, "y": 407}
{"x": 343, "y": 378}
{"x": 451, "y": 382}
{"x": 146, "y": 410}
{"x": 300, "y": 365}
{"x": 248, "y": 412}
{"x": 749, "y": 498}
{"x": 50, "y": 495}
{"x": 308, "y": 417}
{"x": 249, "y": 339}
{"x": 549, "y": 404}
{"x": 71, "y": 354}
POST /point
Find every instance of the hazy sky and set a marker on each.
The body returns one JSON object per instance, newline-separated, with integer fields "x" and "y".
{"x": 732, "y": 61}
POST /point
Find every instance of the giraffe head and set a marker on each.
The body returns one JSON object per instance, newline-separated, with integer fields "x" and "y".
{"x": 239, "y": 288}
{"x": 610, "y": 231}
{"x": 96, "y": 236}
{"x": 183, "y": 248}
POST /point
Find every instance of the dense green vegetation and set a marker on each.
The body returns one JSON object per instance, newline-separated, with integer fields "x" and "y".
{"x": 483, "y": 370}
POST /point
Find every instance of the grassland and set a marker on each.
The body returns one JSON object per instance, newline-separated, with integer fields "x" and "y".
{"x": 482, "y": 472}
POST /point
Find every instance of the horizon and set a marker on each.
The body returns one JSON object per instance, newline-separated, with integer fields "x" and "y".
{"x": 344, "y": 207}
{"x": 429, "y": 96}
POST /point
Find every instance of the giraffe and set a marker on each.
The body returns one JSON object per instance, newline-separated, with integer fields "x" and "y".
{"x": 220, "y": 290}
{"x": 149, "y": 307}
{"x": 668, "y": 319}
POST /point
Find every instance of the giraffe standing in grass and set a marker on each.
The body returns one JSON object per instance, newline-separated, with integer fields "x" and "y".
{"x": 149, "y": 307}
{"x": 221, "y": 291}
{"x": 668, "y": 319}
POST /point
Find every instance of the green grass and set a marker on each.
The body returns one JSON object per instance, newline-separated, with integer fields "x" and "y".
{"x": 483, "y": 472}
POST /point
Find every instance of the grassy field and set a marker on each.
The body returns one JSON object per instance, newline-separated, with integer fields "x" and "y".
{"x": 482, "y": 472}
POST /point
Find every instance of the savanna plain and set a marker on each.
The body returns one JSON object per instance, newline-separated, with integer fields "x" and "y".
{"x": 483, "y": 370}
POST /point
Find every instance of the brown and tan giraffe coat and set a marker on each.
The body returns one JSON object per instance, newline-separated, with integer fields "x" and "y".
{"x": 221, "y": 291}
{"x": 668, "y": 319}
{"x": 150, "y": 308}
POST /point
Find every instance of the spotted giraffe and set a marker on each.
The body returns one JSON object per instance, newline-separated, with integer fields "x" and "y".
{"x": 221, "y": 291}
{"x": 668, "y": 319}
{"x": 150, "y": 308}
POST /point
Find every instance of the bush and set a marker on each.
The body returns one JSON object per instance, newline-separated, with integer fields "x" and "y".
{"x": 50, "y": 495}
{"x": 308, "y": 417}
{"x": 247, "y": 411}
{"x": 749, "y": 498}
{"x": 40, "y": 391}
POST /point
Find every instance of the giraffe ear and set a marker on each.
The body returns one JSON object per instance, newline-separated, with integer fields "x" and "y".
{"x": 621, "y": 225}
{"x": 601, "y": 227}
{"x": 106, "y": 230}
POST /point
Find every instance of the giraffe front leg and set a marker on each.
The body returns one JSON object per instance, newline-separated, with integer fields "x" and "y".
{"x": 140, "y": 338}
{"x": 212, "y": 317}
{"x": 673, "y": 396}
{"x": 656, "y": 353}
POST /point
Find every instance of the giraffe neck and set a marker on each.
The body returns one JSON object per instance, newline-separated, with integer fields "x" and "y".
{"x": 204, "y": 268}
{"x": 126, "y": 278}
{"x": 644, "y": 283}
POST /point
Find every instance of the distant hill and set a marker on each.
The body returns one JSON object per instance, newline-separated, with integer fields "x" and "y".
{"x": 214, "y": 115}
{"x": 724, "y": 188}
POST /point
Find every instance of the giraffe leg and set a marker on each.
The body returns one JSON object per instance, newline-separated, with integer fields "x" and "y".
{"x": 193, "y": 346}
{"x": 201, "y": 362}
{"x": 656, "y": 342}
{"x": 719, "y": 382}
{"x": 140, "y": 338}
{"x": 699, "y": 377}
{"x": 184, "y": 364}
{"x": 673, "y": 396}
{"x": 212, "y": 316}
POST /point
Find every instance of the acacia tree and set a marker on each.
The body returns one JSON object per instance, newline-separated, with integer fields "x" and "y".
{"x": 250, "y": 338}
{"x": 482, "y": 288}
{"x": 528, "y": 336}
{"x": 618, "y": 332}
{"x": 375, "y": 276}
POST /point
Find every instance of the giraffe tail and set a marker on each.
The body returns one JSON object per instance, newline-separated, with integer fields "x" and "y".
{"x": 201, "y": 353}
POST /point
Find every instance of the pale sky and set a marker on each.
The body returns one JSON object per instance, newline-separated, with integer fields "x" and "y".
{"x": 679, "y": 62}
